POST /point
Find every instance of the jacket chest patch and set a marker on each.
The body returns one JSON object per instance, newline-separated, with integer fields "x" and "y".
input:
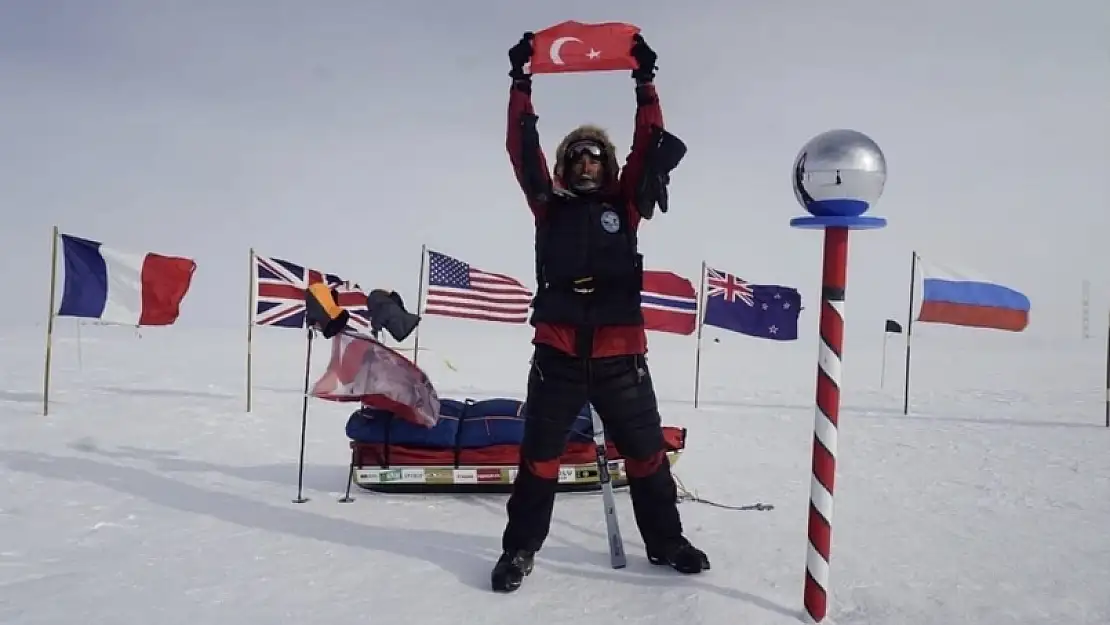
{"x": 610, "y": 221}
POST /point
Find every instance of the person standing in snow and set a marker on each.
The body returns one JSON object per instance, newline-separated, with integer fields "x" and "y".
{"x": 590, "y": 342}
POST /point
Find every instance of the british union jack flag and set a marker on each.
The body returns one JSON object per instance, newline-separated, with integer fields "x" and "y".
{"x": 279, "y": 294}
{"x": 728, "y": 287}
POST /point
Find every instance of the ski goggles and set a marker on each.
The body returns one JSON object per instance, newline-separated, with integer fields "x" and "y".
{"x": 576, "y": 150}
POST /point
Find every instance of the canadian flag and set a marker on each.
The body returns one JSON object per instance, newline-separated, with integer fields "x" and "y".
{"x": 362, "y": 369}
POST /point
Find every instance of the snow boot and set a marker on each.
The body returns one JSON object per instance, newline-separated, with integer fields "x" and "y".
{"x": 510, "y": 570}
{"x": 680, "y": 555}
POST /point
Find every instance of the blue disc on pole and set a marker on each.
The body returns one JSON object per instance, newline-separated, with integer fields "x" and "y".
{"x": 814, "y": 222}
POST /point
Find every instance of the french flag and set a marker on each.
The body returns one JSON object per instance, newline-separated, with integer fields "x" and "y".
{"x": 128, "y": 288}
{"x": 669, "y": 303}
{"x": 955, "y": 298}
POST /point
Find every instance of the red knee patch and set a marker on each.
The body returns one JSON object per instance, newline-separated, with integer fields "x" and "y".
{"x": 644, "y": 468}
{"x": 544, "y": 469}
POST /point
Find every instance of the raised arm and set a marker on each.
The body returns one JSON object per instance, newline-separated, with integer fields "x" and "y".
{"x": 649, "y": 116}
{"x": 655, "y": 152}
{"x": 522, "y": 139}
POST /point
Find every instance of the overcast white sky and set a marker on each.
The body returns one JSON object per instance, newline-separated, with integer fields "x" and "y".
{"x": 345, "y": 134}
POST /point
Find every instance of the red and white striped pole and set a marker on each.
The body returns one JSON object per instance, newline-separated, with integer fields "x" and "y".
{"x": 837, "y": 176}
{"x": 831, "y": 346}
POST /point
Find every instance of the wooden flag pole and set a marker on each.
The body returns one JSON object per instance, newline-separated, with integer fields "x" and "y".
{"x": 250, "y": 327}
{"x": 50, "y": 321}
{"x": 419, "y": 303}
{"x": 909, "y": 334}
{"x": 697, "y": 347}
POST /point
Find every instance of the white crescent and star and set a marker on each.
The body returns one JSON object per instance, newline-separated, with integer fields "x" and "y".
{"x": 557, "y": 47}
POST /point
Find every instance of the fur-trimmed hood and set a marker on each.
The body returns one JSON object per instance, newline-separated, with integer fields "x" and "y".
{"x": 592, "y": 133}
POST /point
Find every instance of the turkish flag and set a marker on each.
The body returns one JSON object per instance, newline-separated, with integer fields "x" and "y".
{"x": 577, "y": 47}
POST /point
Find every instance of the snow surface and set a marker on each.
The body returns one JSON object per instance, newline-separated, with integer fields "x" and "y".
{"x": 149, "y": 495}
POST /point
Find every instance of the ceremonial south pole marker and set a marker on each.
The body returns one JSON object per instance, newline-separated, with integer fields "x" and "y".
{"x": 838, "y": 175}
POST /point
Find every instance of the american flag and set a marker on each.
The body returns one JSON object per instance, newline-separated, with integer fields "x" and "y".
{"x": 280, "y": 291}
{"x": 456, "y": 289}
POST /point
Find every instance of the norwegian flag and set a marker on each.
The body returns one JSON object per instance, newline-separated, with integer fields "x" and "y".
{"x": 362, "y": 369}
{"x": 280, "y": 294}
{"x": 669, "y": 303}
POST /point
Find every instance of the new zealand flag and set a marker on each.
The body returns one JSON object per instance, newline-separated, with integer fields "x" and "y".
{"x": 761, "y": 310}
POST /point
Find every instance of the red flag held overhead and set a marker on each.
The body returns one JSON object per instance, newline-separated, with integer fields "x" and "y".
{"x": 577, "y": 47}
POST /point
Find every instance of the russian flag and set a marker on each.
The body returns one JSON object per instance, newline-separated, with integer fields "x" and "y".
{"x": 954, "y": 298}
{"x": 669, "y": 303}
{"x": 138, "y": 289}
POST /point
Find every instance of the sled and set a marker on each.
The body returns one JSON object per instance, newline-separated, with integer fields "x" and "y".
{"x": 473, "y": 448}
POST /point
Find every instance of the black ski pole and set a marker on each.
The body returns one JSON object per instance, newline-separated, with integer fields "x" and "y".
{"x": 304, "y": 419}
{"x": 346, "y": 498}
{"x": 350, "y": 477}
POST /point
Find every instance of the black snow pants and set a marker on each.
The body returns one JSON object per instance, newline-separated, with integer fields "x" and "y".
{"x": 621, "y": 391}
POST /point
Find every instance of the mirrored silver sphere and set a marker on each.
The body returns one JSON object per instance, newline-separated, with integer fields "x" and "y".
{"x": 839, "y": 173}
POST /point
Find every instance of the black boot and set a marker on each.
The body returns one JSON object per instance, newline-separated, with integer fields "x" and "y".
{"x": 680, "y": 555}
{"x": 510, "y": 570}
{"x": 655, "y": 504}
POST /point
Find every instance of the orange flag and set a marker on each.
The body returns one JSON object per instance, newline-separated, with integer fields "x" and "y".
{"x": 577, "y": 47}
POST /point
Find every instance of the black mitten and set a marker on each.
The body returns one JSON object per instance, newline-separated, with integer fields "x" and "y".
{"x": 645, "y": 58}
{"x": 519, "y": 55}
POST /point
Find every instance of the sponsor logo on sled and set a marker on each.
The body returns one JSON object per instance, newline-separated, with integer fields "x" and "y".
{"x": 566, "y": 474}
{"x": 585, "y": 473}
{"x": 466, "y": 476}
{"x": 489, "y": 475}
{"x": 439, "y": 476}
{"x": 616, "y": 470}
{"x": 363, "y": 476}
{"x": 389, "y": 475}
{"x": 412, "y": 475}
